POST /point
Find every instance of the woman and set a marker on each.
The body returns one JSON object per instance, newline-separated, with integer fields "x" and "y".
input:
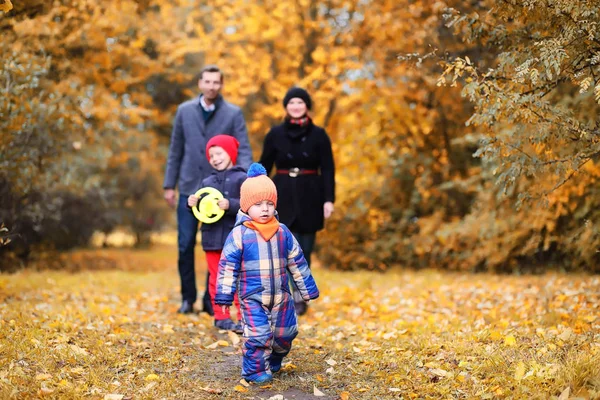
{"x": 304, "y": 173}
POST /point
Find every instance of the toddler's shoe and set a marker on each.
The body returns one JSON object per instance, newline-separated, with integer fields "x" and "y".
{"x": 228, "y": 325}
{"x": 275, "y": 362}
{"x": 263, "y": 377}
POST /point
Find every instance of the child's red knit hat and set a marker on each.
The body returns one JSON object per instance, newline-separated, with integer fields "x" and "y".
{"x": 228, "y": 143}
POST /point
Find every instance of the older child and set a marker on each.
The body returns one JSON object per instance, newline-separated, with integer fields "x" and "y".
{"x": 258, "y": 254}
{"x": 221, "y": 151}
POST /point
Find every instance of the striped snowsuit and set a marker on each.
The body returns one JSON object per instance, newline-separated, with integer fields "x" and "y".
{"x": 257, "y": 269}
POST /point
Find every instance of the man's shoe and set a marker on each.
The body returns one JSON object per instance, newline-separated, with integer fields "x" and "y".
{"x": 228, "y": 325}
{"x": 186, "y": 307}
{"x": 301, "y": 307}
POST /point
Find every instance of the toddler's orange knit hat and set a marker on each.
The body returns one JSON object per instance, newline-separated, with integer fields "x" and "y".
{"x": 257, "y": 187}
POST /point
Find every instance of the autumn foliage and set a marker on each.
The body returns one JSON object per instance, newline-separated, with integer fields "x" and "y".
{"x": 464, "y": 133}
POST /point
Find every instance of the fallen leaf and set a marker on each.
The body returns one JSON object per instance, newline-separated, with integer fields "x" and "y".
{"x": 330, "y": 370}
{"x": 78, "y": 350}
{"x": 520, "y": 370}
{"x": 268, "y": 386}
{"x": 439, "y": 372}
{"x": 565, "y": 393}
{"x": 168, "y": 329}
{"x": 395, "y": 390}
{"x": 590, "y": 318}
{"x": 495, "y": 335}
{"x": 223, "y": 343}
{"x": 235, "y": 339}
{"x": 114, "y": 396}
{"x": 6, "y": 6}
{"x": 331, "y": 362}
{"x": 240, "y": 388}
{"x": 45, "y": 391}
{"x": 211, "y": 390}
{"x": 244, "y": 382}
{"x": 510, "y": 340}
{"x": 276, "y": 397}
{"x": 344, "y": 395}
{"x": 213, "y": 346}
{"x": 43, "y": 377}
{"x": 317, "y": 392}
{"x": 149, "y": 386}
{"x": 566, "y": 334}
{"x": 151, "y": 377}
{"x": 289, "y": 367}
{"x": 389, "y": 335}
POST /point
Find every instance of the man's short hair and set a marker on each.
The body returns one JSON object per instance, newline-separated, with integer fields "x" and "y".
{"x": 211, "y": 68}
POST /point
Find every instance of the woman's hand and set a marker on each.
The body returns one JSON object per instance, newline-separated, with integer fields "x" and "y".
{"x": 327, "y": 209}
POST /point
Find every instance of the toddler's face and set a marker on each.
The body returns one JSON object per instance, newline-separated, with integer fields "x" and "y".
{"x": 219, "y": 159}
{"x": 262, "y": 212}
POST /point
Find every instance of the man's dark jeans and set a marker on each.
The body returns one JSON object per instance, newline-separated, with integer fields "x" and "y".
{"x": 187, "y": 227}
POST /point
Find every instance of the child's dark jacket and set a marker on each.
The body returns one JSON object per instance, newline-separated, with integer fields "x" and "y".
{"x": 227, "y": 182}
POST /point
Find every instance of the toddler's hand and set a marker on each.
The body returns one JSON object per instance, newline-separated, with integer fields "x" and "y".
{"x": 223, "y": 204}
{"x": 224, "y": 309}
{"x": 192, "y": 200}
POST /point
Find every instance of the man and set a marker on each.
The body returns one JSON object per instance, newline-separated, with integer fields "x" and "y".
{"x": 196, "y": 122}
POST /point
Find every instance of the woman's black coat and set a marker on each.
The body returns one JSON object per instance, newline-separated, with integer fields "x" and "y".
{"x": 300, "y": 199}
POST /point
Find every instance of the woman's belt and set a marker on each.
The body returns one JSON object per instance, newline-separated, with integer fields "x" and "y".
{"x": 294, "y": 172}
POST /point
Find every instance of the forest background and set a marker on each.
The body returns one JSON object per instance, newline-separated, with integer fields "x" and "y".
{"x": 465, "y": 132}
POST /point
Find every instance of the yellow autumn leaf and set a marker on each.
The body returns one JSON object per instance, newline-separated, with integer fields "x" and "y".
{"x": 510, "y": 340}
{"x": 344, "y": 395}
{"x": 244, "y": 382}
{"x": 520, "y": 370}
{"x": 223, "y": 343}
{"x": 6, "y": 6}
{"x": 45, "y": 391}
{"x": 240, "y": 388}
{"x": 235, "y": 339}
{"x": 289, "y": 367}
{"x": 151, "y": 377}
{"x": 114, "y": 396}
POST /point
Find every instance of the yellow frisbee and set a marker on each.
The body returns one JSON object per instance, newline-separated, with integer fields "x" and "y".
{"x": 207, "y": 209}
